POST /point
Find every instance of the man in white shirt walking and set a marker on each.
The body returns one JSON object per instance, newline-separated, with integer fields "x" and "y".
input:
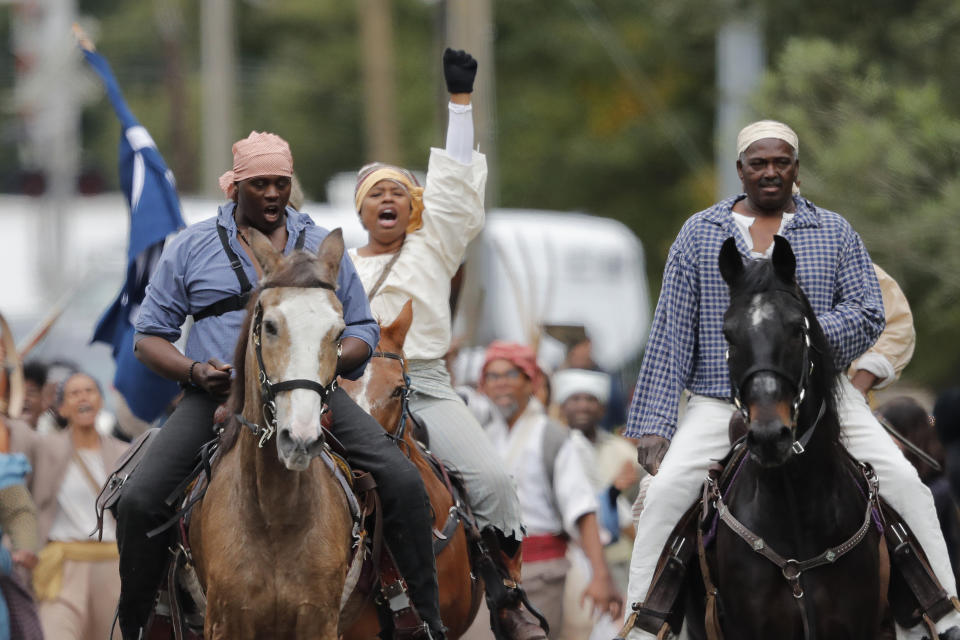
{"x": 557, "y": 500}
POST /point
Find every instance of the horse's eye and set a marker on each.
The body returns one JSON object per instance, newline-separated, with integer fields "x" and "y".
{"x": 270, "y": 327}
{"x": 398, "y": 392}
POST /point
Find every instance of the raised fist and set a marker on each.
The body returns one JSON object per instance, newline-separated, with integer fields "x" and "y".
{"x": 459, "y": 70}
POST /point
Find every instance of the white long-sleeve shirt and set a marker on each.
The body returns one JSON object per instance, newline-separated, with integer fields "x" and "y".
{"x": 546, "y": 507}
{"x": 453, "y": 215}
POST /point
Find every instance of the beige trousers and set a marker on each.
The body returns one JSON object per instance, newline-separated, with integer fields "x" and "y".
{"x": 87, "y": 601}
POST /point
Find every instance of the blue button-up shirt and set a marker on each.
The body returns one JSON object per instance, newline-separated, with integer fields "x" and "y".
{"x": 194, "y": 272}
{"x": 686, "y": 345}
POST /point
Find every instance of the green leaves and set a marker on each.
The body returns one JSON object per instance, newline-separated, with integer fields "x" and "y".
{"x": 881, "y": 148}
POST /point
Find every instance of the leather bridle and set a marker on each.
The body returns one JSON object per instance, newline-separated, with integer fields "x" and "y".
{"x": 405, "y": 398}
{"x": 269, "y": 389}
{"x": 798, "y": 381}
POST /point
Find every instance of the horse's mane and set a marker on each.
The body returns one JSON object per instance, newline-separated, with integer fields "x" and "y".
{"x": 760, "y": 277}
{"x": 299, "y": 269}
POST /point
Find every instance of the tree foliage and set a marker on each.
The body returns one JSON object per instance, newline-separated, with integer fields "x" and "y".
{"x": 604, "y": 106}
{"x": 885, "y": 153}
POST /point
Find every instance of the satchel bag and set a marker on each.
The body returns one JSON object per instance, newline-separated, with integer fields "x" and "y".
{"x": 112, "y": 489}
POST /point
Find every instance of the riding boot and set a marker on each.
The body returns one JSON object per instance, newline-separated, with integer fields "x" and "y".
{"x": 416, "y": 563}
{"x": 408, "y": 533}
{"x": 512, "y": 615}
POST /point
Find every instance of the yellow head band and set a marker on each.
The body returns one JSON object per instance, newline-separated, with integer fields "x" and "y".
{"x": 401, "y": 177}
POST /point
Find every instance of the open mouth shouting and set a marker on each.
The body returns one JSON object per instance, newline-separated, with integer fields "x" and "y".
{"x": 85, "y": 409}
{"x": 387, "y": 217}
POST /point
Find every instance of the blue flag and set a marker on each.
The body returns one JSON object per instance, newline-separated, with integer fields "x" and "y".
{"x": 151, "y": 195}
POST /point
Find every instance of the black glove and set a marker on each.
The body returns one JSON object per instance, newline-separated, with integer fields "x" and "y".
{"x": 459, "y": 70}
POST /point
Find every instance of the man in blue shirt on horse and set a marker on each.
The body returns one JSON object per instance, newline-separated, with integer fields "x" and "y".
{"x": 686, "y": 352}
{"x": 208, "y": 272}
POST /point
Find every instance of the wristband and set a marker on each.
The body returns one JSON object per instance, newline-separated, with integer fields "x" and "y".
{"x": 190, "y": 373}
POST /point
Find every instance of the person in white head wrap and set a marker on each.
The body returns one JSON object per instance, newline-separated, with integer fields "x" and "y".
{"x": 685, "y": 353}
{"x": 571, "y": 381}
{"x": 766, "y": 129}
{"x": 581, "y": 395}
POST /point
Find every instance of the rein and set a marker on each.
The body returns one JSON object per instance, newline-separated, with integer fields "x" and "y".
{"x": 405, "y": 400}
{"x": 269, "y": 389}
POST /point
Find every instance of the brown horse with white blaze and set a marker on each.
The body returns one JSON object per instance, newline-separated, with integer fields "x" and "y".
{"x": 381, "y": 392}
{"x": 271, "y": 538}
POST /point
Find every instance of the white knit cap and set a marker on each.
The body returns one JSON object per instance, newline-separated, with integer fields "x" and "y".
{"x": 766, "y": 129}
{"x": 568, "y": 382}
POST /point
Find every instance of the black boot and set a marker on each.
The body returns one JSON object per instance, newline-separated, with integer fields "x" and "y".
{"x": 409, "y": 535}
{"x": 512, "y": 615}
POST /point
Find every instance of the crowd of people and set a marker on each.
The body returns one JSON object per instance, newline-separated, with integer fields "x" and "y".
{"x": 575, "y": 495}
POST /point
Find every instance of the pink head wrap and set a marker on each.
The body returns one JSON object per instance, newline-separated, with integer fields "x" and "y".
{"x": 519, "y": 355}
{"x": 259, "y": 154}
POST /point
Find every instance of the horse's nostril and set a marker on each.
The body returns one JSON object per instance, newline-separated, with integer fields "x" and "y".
{"x": 784, "y": 431}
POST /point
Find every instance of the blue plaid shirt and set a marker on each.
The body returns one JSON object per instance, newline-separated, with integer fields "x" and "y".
{"x": 686, "y": 345}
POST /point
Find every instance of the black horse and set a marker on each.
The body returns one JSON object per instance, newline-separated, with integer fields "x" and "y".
{"x": 796, "y": 554}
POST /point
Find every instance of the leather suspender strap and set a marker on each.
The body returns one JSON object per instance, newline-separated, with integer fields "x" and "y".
{"x": 233, "y": 302}
{"x": 235, "y": 263}
{"x": 238, "y": 301}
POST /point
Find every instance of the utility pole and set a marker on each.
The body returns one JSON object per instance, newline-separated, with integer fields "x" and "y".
{"x": 219, "y": 69}
{"x": 379, "y": 80}
{"x": 169, "y": 21}
{"x": 47, "y": 99}
{"x": 470, "y": 27}
{"x": 740, "y": 65}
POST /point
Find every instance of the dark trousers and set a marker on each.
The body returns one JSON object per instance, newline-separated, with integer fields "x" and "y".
{"x": 407, "y": 513}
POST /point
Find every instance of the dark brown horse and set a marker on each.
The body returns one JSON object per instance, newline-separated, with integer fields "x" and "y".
{"x": 271, "y": 538}
{"x": 381, "y": 392}
{"x": 796, "y": 553}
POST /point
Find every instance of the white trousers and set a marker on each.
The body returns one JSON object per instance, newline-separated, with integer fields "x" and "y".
{"x": 701, "y": 436}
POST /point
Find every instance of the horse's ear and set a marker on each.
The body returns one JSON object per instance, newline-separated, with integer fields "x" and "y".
{"x": 330, "y": 253}
{"x": 396, "y": 331}
{"x": 784, "y": 261}
{"x": 266, "y": 254}
{"x": 730, "y": 261}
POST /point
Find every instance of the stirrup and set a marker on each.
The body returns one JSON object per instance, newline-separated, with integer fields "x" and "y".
{"x": 648, "y": 620}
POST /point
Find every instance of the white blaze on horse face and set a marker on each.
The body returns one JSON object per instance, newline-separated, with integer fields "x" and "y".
{"x": 760, "y": 310}
{"x": 312, "y": 327}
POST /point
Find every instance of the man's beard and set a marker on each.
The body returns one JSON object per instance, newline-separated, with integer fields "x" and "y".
{"x": 508, "y": 409}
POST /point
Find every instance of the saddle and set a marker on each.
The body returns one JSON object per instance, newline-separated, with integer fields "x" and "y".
{"x": 372, "y": 570}
{"x": 919, "y": 599}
